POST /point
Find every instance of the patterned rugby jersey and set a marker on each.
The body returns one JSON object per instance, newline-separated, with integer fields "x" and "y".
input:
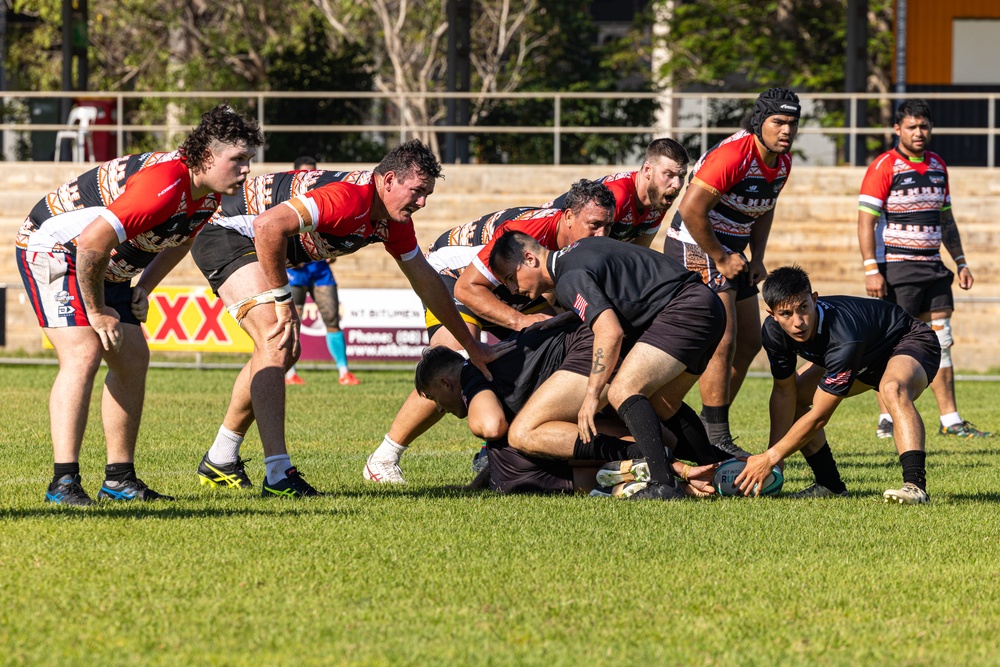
{"x": 146, "y": 198}
{"x": 334, "y": 209}
{"x": 749, "y": 189}
{"x": 908, "y": 197}
{"x": 541, "y": 224}
{"x": 629, "y": 223}
{"x": 453, "y": 251}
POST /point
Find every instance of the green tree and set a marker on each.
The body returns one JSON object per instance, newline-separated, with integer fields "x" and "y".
{"x": 740, "y": 45}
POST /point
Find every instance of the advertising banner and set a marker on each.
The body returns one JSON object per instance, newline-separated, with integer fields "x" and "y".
{"x": 378, "y": 324}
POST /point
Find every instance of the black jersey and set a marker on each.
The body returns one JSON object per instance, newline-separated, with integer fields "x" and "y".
{"x": 855, "y": 337}
{"x": 598, "y": 273}
{"x": 517, "y": 374}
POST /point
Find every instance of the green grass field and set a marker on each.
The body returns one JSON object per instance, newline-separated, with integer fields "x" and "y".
{"x": 423, "y": 576}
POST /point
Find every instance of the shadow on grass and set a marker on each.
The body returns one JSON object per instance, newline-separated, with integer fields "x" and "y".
{"x": 170, "y": 512}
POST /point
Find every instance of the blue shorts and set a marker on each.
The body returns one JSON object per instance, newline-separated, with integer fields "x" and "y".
{"x": 313, "y": 273}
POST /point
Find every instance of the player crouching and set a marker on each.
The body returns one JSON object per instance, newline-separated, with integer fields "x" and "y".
{"x": 854, "y": 344}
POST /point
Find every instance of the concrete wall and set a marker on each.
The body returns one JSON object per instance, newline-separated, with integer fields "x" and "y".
{"x": 815, "y": 226}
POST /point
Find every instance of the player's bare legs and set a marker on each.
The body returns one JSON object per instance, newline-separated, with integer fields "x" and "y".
{"x": 645, "y": 372}
{"x": 124, "y": 394}
{"x": 715, "y": 383}
{"x": 258, "y": 394}
{"x": 414, "y": 418}
{"x": 748, "y": 342}
{"x": 902, "y": 383}
{"x": 547, "y": 424}
{"x": 79, "y": 352}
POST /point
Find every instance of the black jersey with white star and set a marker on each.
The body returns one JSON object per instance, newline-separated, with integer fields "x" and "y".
{"x": 854, "y": 340}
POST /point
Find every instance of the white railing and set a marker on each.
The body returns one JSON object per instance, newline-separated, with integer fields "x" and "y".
{"x": 701, "y": 125}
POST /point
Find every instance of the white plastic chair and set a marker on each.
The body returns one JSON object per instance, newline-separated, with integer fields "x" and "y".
{"x": 81, "y": 137}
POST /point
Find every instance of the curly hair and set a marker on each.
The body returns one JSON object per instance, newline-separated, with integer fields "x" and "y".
{"x": 409, "y": 158}
{"x": 221, "y": 124}
{"x": 584, "y": 192}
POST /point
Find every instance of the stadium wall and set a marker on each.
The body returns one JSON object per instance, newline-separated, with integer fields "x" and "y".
{"x": 815, "y": 226}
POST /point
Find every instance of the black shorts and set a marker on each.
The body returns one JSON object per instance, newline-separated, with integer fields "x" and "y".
{"x": 693, "y": 258}
{"x": 219, "y": 252}
{"x": 689, "y": 328}
{"x": 921, "y": 343}
{"x": 513, "y": 472}
{"x": 579, "y": 348}
{"x": 919, "y": 287}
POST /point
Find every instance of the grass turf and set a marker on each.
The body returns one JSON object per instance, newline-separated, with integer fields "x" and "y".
{"x": 423, "y": 575}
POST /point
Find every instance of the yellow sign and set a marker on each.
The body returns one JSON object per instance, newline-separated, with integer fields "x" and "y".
{"x": 190, "y": 319}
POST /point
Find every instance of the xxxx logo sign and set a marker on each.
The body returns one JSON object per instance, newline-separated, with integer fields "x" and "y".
{"x": 192, "y": 319}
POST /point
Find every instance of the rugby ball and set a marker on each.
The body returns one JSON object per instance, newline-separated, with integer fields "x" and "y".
{"x": 724, "y": 479}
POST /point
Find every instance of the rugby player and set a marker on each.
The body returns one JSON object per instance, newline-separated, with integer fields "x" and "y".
{"x": 727, "y": 208}
{"x": 640, "y": 305}
{"x": 538, "y": 356}
{"x": 853, "y": 344}
{"x": 284, "y": 219}
{"x": 644, "y": 196}
{"x": 461, "y": 257}
{"x": 77, "y": 253}
{"x": 904, "y": 216}
{"x": 316, "y": 279}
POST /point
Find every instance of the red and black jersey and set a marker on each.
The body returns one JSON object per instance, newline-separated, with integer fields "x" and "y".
{"x": 855, "y": 338}
{"x": 453, "y": 251}
{"x": 541, "y": 224}
{"x": 146, "y": 198}
{"x": 749, "y": 188}
{"x": 631, "y": 221}
{"x": 334, "y": 209}
{"x": 908, "y": 196}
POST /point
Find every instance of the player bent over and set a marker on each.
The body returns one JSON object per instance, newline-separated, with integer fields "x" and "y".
{"x": 538, "y": 356}
{"x": 285, "y": 219}
{"x": 462, "y": 258}
{"x": 640, "y": 305}
{"x": 77, "y": 253}
{"x": 854, "y": 344}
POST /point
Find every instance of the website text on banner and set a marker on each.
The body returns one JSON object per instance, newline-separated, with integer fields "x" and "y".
{"x": 378, "y": 325}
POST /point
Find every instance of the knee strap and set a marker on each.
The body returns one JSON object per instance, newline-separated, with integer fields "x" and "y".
{"x": 942, "y": 327}
{"x": 240, "y": 309}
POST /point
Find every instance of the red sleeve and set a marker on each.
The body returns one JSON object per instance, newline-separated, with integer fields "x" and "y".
{"x": 402, "y": 243}
{"x": 725, "y": 166}
{"x": 338, "y": 205}
{"x": 877, "y": 183}
{"x": 542, "y": 229}
{"x": 151, "y": 196}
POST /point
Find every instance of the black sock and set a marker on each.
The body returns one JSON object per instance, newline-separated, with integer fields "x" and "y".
{"x": 640, "y": 418}
{"x": 63, "y": 469}
{"x": 914, "y": 470}
{"x": 692, "y": 440}
{"x": 601, "y": 448}
{"x": 825, "y": 469}
{"x": 119, "y": 472}
{"x": 716, "y": 420}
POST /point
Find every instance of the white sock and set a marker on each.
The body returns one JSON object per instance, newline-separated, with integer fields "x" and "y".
{"x": 950, "y": 419}
{"x": 885, "y": 417}
{"x": 226, "y": 448}
{"x": 276, "y": 466}
{"x": 389, "y": 450}
{"x": 290, "y": 373}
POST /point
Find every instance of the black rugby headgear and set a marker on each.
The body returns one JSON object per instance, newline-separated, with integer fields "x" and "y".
{"x": 773, "y": 102}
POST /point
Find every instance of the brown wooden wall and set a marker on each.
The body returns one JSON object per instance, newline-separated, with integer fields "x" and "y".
{"x": 929, "y": 35}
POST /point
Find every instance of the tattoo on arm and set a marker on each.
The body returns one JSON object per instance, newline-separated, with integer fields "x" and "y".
{"x": 90, "y": 269}
{"x": 950, "y": 236}
{"x": 598, "y": 366}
